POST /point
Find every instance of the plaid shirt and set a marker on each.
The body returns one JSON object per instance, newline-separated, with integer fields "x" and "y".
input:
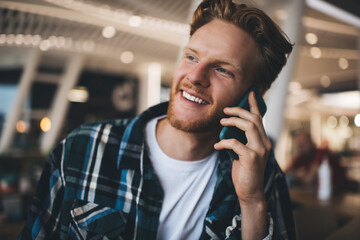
{"x": 99, "y": 184}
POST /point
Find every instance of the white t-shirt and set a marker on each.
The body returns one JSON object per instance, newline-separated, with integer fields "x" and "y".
{"x": 188, "y": 189}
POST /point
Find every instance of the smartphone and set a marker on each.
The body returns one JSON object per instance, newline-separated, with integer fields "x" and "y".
{"x": 234, "y": 132}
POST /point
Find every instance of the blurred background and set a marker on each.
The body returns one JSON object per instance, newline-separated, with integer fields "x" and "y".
{"x": 66, "y": 62}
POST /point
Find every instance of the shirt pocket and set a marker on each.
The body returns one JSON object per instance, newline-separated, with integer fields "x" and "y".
{"x": 94, "y": 221}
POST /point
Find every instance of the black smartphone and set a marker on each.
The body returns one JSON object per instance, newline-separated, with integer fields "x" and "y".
{"x": 234, "y": 132}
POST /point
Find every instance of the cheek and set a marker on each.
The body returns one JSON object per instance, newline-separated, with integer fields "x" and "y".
{"x": 182, "y": 70}
{"x": 176, "y": 78}
{"x": 228, "y": 95}
{"x": 179, "y": 71}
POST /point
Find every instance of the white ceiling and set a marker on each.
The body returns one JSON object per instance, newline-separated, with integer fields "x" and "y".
{"x": 75, "y": 26}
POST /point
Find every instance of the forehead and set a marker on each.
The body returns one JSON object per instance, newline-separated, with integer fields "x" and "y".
{"x": 224, "y": 40}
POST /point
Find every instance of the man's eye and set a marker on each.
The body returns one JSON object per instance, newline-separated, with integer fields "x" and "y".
{"x": 191, "y": 58}
{"x": 224, "y": 71}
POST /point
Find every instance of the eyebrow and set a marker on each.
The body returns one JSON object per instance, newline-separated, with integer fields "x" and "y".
{"x": 218, "y": 61}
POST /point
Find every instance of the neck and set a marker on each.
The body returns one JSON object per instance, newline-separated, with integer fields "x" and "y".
{"x": 182, "y": 145}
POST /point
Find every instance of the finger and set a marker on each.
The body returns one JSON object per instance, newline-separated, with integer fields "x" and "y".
{"x": 254, "y": 108}
{"x": 249, "y": 117}
{"x": 240, "y": 149}
{"x": 242, "y": 113}
{"x": 232, "y": 144}
{"x": 253, "y": 104}
{"x": 250, "y": 129}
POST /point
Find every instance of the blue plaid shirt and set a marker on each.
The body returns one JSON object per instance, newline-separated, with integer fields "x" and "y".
{"x": 99, "y": 184}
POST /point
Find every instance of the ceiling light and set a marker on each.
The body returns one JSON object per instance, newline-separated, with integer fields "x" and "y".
{"x": 21, "y": 126}
{"x": 27, "y": 39}
{"x": 2, "y": 38}
{"x": 343, "y": 63}
{"x": 10, "y": 39}
{"x": 19, "y": 39}
{"x": 127, "y": 57}
{"x": 325, "y": 81}
{"x": 79, "y": 94}
{"x": 311, "y": 38}
{"x": 53, "y": 41}
{"x": 357, "y": 120}
{"x": 134, "y": 21}
{"x": 346, "y": 100}
{"x": 108, "y": 32}
{"x": 45, "y": 124}
{"x": 343, "y": 121}
{"x": 88, "y": 46}
{"x": 60, "y": 42}
{"x": 315, "y": 52}
{"x": 36, "y": 39}
{"x": 44, "y": 45}
{"x": 331, "y": 122}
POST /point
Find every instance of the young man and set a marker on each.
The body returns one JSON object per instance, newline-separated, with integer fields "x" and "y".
{"x": 164, "y": 174}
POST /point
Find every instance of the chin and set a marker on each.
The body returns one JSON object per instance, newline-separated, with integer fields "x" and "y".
{"x": 207, "y": 123}
{"x": 190, "y": 126}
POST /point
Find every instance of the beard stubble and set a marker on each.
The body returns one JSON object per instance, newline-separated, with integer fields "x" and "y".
{"x": 209, "y": 122}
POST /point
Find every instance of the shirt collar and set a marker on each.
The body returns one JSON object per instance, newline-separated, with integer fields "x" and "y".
{"x": 132, "y": 142}
{"x": 132, "y": 152}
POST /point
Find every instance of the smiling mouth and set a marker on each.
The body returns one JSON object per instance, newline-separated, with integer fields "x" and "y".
{"x": 193, "y": 98}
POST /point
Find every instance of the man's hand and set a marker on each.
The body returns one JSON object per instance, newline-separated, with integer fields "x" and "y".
{"x": 248, "y": 171}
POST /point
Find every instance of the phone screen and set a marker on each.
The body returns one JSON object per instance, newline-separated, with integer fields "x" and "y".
{"x": 234, "y": 132}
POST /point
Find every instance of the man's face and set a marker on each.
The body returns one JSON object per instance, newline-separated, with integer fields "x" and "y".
{"x": 213, "y": 73}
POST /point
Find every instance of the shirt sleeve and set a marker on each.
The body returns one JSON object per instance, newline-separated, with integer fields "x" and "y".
{"x": 234, "y": 231}
{"x": 280, "y": 217}
{"x": 44, "y": 215}
{"x": 279, "y": 204}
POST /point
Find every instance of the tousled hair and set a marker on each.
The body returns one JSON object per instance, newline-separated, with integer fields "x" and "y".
{"x": 272, "y": 43}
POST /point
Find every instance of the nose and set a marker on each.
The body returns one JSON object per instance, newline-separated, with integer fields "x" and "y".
{"x": 199, "y": 75}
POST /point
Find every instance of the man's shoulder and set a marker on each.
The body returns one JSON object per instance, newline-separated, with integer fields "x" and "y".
{"x": 100, "y": 137}
{"x": 96, "y": 129}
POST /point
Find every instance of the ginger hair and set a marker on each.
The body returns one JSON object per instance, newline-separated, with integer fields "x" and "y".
{"x": 272, "y": 43}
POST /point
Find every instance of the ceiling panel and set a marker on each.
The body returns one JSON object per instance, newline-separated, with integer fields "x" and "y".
{"x": 75, "y": 26}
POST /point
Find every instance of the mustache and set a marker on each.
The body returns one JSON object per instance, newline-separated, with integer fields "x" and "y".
{"x": 194, "y": 88}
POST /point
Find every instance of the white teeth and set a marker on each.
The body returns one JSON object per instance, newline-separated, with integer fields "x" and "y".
{"x": 193, "y": 98}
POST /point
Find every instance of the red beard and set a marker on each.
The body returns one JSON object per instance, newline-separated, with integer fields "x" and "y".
{"x": 208, "y": 122}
